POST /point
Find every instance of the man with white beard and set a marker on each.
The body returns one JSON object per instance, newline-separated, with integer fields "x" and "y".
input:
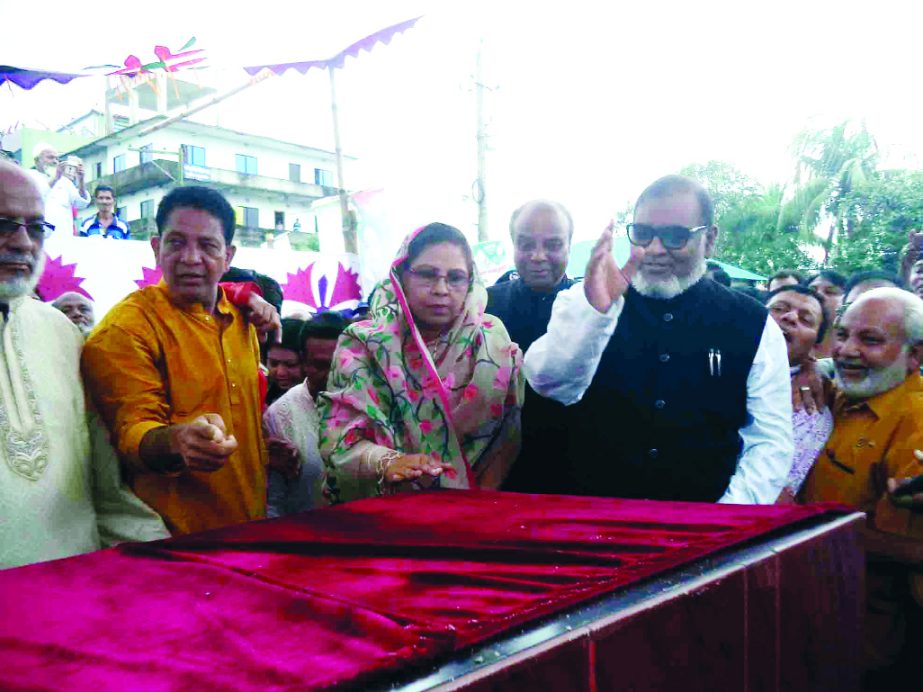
{"x": 877, "y": 348}
{"x": 60, "y": 489}
{"x": 682, "y": 384}
{"x": 78, "y": 309}
{"x": 63, "y": 188}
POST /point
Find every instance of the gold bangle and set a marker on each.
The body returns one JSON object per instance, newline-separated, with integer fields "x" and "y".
{"x": 365, "y": 462}
{"x": 382, "y": 464}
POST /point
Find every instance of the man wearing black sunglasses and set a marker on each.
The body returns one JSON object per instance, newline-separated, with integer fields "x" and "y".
{"x": 683, "y": 384}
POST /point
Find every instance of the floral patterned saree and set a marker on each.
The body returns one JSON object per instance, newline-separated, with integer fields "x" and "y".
{"x": 457, "y": 399}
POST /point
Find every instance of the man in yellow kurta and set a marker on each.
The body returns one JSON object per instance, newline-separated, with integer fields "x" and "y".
{"x": 878, "y": 423}
{"x": 173, "y": 371}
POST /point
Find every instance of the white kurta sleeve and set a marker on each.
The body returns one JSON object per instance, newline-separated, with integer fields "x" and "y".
{"x": 768, "y": 448}
{"x": 120, "y": 515}
{"x": 561, "y": 364}
{"x": 77, "y": 200}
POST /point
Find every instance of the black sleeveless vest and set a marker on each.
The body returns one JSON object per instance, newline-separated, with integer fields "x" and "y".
{"x": 661, "y": 417}
{"x": 544, "y": 421}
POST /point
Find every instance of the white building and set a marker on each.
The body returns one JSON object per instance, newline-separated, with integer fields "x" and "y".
{"x": 270, "y": 183}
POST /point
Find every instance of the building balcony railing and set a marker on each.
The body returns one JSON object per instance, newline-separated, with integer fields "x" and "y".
{"x": 244, "y": 236}
{"x": 164, "y": 172}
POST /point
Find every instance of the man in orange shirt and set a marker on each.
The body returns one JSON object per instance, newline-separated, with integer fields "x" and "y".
{"x": 878, "y": 423}
{"x": 173, "y": 370}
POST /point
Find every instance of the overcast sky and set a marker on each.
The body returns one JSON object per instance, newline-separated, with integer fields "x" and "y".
{"x": 588, "y": 103}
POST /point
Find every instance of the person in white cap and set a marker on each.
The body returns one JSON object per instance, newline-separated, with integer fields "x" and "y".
{"x": 60, "y": 192}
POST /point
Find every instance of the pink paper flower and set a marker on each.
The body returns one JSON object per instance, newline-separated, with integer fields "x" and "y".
{"x": 471, "y": 392}
{"x": 426, "y": 427}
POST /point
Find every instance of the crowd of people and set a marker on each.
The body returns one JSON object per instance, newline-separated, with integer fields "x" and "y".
{"x": 62, "y": 185}
{"x": 192, "y": 406}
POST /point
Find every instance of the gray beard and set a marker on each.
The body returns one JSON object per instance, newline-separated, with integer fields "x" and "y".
{"x": 877, "y": 382}
{"x": 664, "y": 289}
{"x": 24, "y": 286}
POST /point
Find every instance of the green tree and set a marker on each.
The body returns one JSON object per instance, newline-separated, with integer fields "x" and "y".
{"x": 751, "y": 236}
{"x": 882, "y": 212}
{"x": 829, "y": 165}
{"x": 728, "y": 186}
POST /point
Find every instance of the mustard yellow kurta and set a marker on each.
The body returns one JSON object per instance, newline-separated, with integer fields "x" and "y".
{"x": 150, "y": 363}
{"x": 874, "y": 440}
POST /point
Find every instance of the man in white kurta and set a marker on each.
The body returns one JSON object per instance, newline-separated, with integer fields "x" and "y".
{"x": 292, "y": 424}
{"x": 60, "y": 489}
{"x": 60, "y": 194}
{"x": 292, "y": 419}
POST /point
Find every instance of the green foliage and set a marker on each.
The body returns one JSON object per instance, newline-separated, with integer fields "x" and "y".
{"x": 864, "y": 214}
{"x": 747, "y": 216}
{"x": 727, "y": 185}
{"x": 882, "y": 212}
{"x": 829, "y": 165}
{"x": 307, "y": 242}
{"x": 750, "y": 238}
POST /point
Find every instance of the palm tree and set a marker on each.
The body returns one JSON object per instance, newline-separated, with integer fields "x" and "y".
{"x": 829, "y": 164}
{"x": 751, "y": 238}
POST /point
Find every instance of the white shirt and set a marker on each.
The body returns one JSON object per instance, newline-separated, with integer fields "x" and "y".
{"x": 61, "y": 493}
{"x": 561, "y": 365}
{"x": 60, "y": 200}
{"x": 293, "y": 417}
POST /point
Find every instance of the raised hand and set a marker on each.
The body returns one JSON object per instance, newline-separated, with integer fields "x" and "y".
{"x": 604, "y": 282}
{"x": 264, "y": 316}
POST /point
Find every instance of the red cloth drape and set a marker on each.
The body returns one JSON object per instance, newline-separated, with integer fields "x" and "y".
{"x": 342, "y": 594}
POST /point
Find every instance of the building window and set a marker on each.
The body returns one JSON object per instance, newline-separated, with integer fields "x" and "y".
{"x": 195, "y": 156}
{"x": 294, "y": 172}
{"x": 248, "y": 217}
{"x": 322, "y": 177}
{"x": 99, "y": 170}
{"x": 147, "y": 154}
{"x": 118, "y": 163}
{"x": 279, "y": 218}
{"x": 147, "y": 209}
{"x": 246, "y": 165}
{"x": 122, "y": 212}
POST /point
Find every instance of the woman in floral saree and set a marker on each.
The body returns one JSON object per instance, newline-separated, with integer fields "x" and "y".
{"x": 428, "y": 391}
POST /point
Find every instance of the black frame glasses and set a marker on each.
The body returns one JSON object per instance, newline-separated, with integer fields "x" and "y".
{"x": 672, "y": 237}
{"x": 37, "y": 230}
{"x": 428, "y": 277}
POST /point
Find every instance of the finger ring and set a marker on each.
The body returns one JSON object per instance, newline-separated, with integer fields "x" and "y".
{"x": 805, "y": 389}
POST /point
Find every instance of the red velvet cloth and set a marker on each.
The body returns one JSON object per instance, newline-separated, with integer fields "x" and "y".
{"x": 339, "y": 595}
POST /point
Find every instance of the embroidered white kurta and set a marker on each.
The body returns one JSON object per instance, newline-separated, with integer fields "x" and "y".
{"x": 60, "y": 489}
